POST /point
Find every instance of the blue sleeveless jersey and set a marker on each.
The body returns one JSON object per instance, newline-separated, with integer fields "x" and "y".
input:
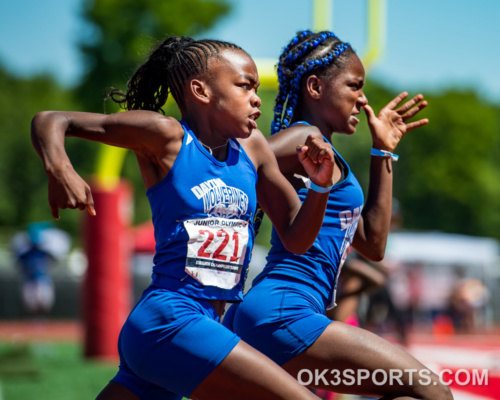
{"x": 321, "y": 264}
{"x": 202, "y": 213}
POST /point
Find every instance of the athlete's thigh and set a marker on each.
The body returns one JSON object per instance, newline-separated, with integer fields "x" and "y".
{"x": 348, "y": 359}
{"x": 247, "y": 374}
{"x": 280, "y": 318}
{"x": 171, "y": 341}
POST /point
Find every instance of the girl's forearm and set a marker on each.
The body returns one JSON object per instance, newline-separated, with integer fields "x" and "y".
{"x": 378, "y": 206}
{"x": 307, "y": 223}
{"x": 48, "y": 131}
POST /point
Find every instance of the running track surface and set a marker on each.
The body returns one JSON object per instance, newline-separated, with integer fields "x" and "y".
{"x": 461, "y": 356}
{"x": 464, "y": 353}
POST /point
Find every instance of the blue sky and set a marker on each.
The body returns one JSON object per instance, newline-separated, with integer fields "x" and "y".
{"x": 430, "y": 45}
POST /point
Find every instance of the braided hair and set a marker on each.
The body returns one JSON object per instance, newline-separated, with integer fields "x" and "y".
{"x": 167, "y": 69}
{"x": 306, "y": 53}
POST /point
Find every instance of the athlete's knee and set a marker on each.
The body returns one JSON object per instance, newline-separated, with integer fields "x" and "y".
{"x": 434, "y": 389}
{"x": 115, "y": 391}
{"x": 441, "y": 392}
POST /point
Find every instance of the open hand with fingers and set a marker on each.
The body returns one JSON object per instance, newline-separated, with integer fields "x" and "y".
{"x": 317, "y": 158}
{"x": 69, "y": 190}
{"x": 391, "y": 124}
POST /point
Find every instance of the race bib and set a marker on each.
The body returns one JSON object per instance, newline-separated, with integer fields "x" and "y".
{"x": 216, "y": 250}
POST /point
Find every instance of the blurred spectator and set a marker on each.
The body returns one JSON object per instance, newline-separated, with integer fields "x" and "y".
{"x": 467, "y": 300}
{"x": 358, "y": 277}
{"x": 36, "y": 251}
{"x": 388, "y": 308}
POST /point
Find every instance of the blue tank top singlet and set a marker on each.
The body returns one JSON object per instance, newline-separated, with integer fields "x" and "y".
{"x": 202, "y": 213}
{"x": 320, "y": 266}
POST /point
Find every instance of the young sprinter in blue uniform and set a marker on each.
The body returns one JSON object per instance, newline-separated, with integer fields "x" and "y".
{"x": 203, "y": 176}
{"x": 284, "y": 313}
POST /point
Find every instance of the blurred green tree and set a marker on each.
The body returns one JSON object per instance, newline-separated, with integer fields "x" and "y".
{"x": 124, "y": 31}
{"x": 23, "y": 184}
{"x": 447, "y": 177}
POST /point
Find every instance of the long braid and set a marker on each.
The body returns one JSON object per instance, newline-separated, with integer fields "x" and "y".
{"x": 283, "y": 81}
{"x": 307, "y": 52}
{"x": 166, "y": 71}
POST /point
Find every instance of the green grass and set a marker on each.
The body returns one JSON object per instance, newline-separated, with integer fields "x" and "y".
{"x": 55, "y": 371}
{"x": 50, "y": 371}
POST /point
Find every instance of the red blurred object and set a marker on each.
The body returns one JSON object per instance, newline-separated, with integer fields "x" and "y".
{"x": 144, "y": 238}
{"x": 107, "y": 293}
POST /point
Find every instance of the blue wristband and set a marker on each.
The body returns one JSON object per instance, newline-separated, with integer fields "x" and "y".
{"x": 319, "y": 189}
{"x": 384, "y": 153}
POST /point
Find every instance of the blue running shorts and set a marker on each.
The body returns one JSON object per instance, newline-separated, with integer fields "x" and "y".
{"x": 280, "y": 317}
{"x": 169, "y": 344}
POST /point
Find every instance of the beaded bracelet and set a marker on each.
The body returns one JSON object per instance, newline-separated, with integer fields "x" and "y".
{"x": 384, "y": 153}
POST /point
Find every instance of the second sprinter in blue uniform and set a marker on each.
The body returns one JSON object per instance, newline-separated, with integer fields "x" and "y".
{"x": 284, "y": 313}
